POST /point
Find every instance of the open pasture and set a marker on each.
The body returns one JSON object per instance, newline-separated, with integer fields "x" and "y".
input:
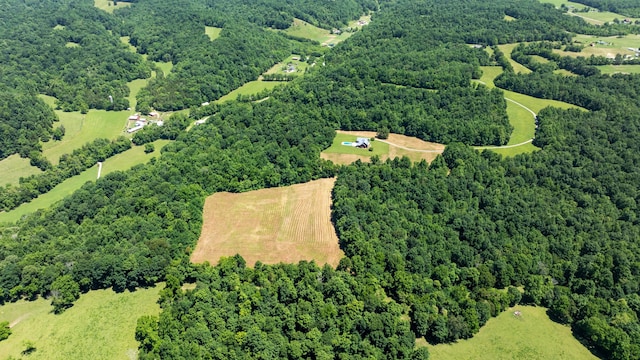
{"x": 607, "y": 46}
{"x": 108, "y": 5}
{"x": 13, "y": 168}
{"x": 531, "y": 336}
{"x": 517, "y": 67}
{"x": 212, "y": 32}
{"x": 285, "y": 224}
{"x": 101, "y": 325}
{"x": 619, "y": 69}
{"x": 119, "y": 162}
{"x": 250, "y": 88}
{"x": 303, "y": 29}
{"x": 291, "y": 65}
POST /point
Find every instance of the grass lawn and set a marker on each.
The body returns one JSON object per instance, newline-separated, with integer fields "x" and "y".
{"x": 13, "y": 168}
{"x": 250, "y": 88}
{"x": 509, "y": 18}
{"x": 212, "y": 32}
{"x": 164, "y": 66}
{"x": 71, "y": 44}
{"x": 531, "y": 336}
{"x": 126, "y": 40}
{"x": 101, "y": 325}
{"x": 120, "y": 162}
{"x": 379, "y": 148}
{"x": 107, "y": 5}
{"x": 614, "y": 45}
{"x": 517, "y": 67}
{"x": 625, "y": 69}
{"x": 564, "y": 72}
{"x": 557, "y": 3}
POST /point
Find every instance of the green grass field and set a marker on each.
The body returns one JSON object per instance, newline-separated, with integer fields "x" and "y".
{"x": 107, "y": 5}
{"x": 557, "y": 3}
{"x": 521, "y": 119}
{"x": 305, "y": 30}
{"x": 612, "y": 46}
{"x": 531, "y": 336}
{"x": 379, "y": 148}
{"x": 614, "y": 69}
{"x": 126, "y": 40}
{"x": 250, "y": 88}
{"x": 101, "y": 325}
{"x": 517, "y": 67}
{"x": 13, "y": 168}
{"x": 164, "y": 66}
{"x": 281, "y": 67}
{"x": 212, "y": 32}
{"x": 120, "y": 162}
{"x": 564, "y": 72}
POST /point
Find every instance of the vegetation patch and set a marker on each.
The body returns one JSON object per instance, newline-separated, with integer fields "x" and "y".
{"x": 517, "y": 67}
{"x": 285, "y": 224}
{"x": 127, "y": 41}
{"x": 14, "y": 167}
{"x": 120, "y": 162}
{"x": 509, "y": 18}
{"x": 619, "y": 69}
{"x": 607, "y": 46}
{"x": 100, "y": 326}
{"x": 530, "y": 335}
{"x": 71, "y": 44}
{"x": 109, "y": 5}
{"x": 250, "y": 88}
{"x": 212, "y": 32}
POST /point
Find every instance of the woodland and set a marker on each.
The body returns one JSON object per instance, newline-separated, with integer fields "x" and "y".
{"x": 431, "y": 250}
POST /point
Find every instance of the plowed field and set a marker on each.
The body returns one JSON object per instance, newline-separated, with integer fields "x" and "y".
{"x": 286, "y": 224}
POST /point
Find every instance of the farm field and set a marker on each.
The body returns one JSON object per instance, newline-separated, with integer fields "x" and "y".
{"x": 212, "y": 32}
{"x": 120, "y": 162}
{"x": 250, "y": 88}
{"x": 107, "y": 5}
{"x": 395, "y": 146}
{"x": 303, "y": 29}
{"x": 13, "y": 168}
{"x": 531, "y": 336}
{"x": 285, "y": 224}
{"x": 81, "y": 332}
{"x": 615, "y": 69}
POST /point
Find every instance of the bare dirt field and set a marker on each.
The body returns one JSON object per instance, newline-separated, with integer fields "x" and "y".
{"x": 286, "y": 224}
{"x": 399, "y": 145}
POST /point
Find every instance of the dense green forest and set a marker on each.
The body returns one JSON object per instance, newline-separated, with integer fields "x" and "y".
{"x": 431, "y": 250}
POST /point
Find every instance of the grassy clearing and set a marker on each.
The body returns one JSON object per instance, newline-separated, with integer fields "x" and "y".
{"x": 120, "y": 162}
{"x": 13, "y": 168}
{"x": 71, "y": 44}
{"x": 379, "y": 148}
{"x": 531, "y": 336}
{"x": 615, "y": 69}
{"x": 509, "y": 18}
{"x": 101, "y": 325}
{"x": 126, "y": 40}
{"x": 285, "y": 224}
{"x": 395, "y": 146}
{"x": 564, "y": 72}
{"x": 558, "y": 3}
{"x": 107, "y": 5}
{"x": 212, "y": 32}
{"x": 540, "y": 59}
{"x": 164, "y": 66}
{"x": 250, "y": 88}
{"x": 303, "y": 29}
{"x": 517, "y": 67}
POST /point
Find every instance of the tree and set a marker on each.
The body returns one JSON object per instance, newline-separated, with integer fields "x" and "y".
{"x": 5, "y": 330}
{"x": 149, "y": 148}
{"x": 383, "y": 132}
{"x": 64, "y": 291}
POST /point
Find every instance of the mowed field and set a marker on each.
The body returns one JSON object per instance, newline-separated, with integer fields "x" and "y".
{"x": 119, "y": 162}
{"x": 250, "y": 88}
{"x": 107, "y": 5}
{"x": 395, "y": 146}
{"x": 212, "y": 32}
{"x": 612, "y": 46}
{"x": 285, "y": 224}
{"x": 101, "y": 325}
{"x": 13, "y": 168}
{"x": 531, "y": 336}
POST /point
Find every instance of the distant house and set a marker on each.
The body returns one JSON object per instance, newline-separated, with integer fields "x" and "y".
{"x": 362, "y": 143}
{"x": 205, "y": 103}
{"x": 200, "y": 122}
{"x": 134, "y": 117}
{"x": 295, "y": 58}
{"x": 135, "y": 128}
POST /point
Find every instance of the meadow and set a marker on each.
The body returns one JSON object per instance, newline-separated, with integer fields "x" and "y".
{"x": 250, "y": 88}
{"x": 281, "y": 67}
{"x": 530, "y": 336}
{"x": 119, "y": 162}
{"x": 593, "y": 17}
{"x": 610, "y": 46}
{"x": 285, "y": 224}
{"x": 303, "y": 29}
{"x": 81, "y": 332}
{"x": 13, "y": 168}
{"x": 517, "y": 67}
{"x": 616, "y": 69}
{"x": 108, "y": 5}
{"x": 212, "y": 32}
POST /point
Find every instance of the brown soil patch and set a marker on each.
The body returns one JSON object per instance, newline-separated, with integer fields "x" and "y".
{"x": 286, "y": 224}
{"x": 399, "y": 145}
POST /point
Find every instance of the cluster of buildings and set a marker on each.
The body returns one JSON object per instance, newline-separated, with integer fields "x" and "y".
{"x": 140, "y": 122}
